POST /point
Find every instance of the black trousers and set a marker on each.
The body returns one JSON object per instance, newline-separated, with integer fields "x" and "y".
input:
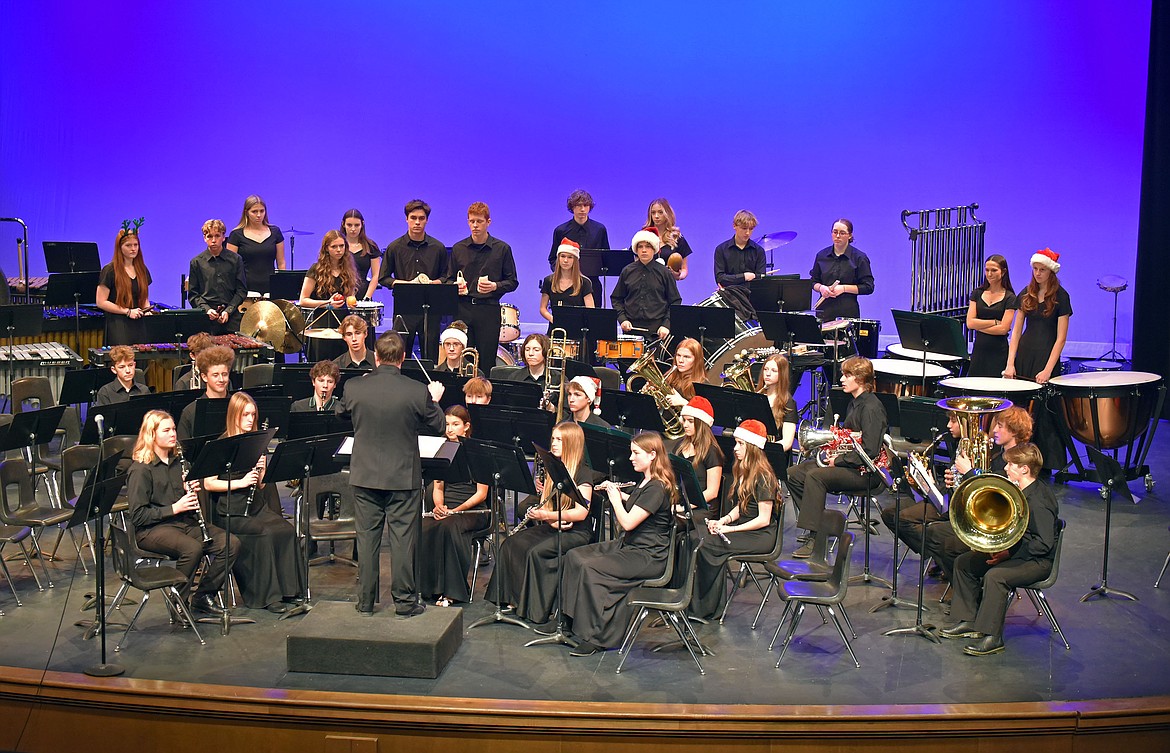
{"x": 182, "y": 541}
{"x": 810, "y": 484}
{"x": 981, "y": 590}
{"x": 375, "y": 508}
{"x": 483, "y": 324}
{"x": 909, "y": 523}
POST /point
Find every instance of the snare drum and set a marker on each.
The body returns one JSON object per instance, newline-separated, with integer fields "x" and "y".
{"x": 1108, "y": 409}
{"x": 626, "y": 347}
{"x": 901, "y": 378}
{"x": 509, "y": 322}
{"x": 370, "y": 311}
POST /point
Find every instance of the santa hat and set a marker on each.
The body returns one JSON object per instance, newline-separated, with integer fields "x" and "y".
{"x": 1048, "y": 258}
{"x": 752, "y": 432}
{"x": 699, "y": 408}
{"x": 648, "y": 235}
{"x": 591, "y": 386}
{"x": 569, "y": 247}
{"x": 453, "y": 333}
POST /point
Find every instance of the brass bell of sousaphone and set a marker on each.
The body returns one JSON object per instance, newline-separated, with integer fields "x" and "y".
{"x": 988, "y": 512}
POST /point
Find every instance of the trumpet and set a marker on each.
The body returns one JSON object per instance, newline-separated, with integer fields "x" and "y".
{"x": 185, "y": 468}
{"x": 469, "y": 363}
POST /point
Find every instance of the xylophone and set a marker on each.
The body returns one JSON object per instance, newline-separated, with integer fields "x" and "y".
{"x": 47, "y": 359}
{"x": 161, "y": 358}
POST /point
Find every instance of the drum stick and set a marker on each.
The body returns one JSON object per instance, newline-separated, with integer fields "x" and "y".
{"x": 823, "y": 296}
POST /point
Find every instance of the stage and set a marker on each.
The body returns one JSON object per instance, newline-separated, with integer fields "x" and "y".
{"x": 1110, "y": 690}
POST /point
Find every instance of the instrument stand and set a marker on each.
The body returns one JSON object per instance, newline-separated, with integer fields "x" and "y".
{"x": 866, "y": 577}
{"x": 19, "y": 321}
{"x": 926, "y": 630}
{"x": 502, "y": 467}
{"x": 1109, "y": 469}
{"x": 1113, "y": 354}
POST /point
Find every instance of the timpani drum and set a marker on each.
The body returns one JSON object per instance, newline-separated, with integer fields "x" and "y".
{"x": 509, "y": 322}
{"x": 951, "y": 363}
{"x": 902, "y": 378}
{"x": 1108, "y": 409}
{"x": 1095, "y": 366}
{"x": 1020, "y": 391}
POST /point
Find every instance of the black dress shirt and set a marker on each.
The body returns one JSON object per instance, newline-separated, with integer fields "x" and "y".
{"x": 114, "y": 393}
{"x": 867, "y": 415}
{"x": 491, "y": 259}
{"x": 406, "y": 259}
{"x": 731, "y": 262}
{"x": 217, "y": 282}
{"x": 590, "y": 235}
{"x": 850, "y": 268}
{"x": 344, "y": 361}
{"x": 645, "y": 293}
{"x": 151, "y": 490}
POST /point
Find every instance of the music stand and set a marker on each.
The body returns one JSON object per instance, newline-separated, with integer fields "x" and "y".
{"x": 701, "y": 322}
{"x": 631, "y": 410}
{"x": 442, "y": 297}
{"x": 72, "y": 289}
{"x": 733, "y": 407}
{"x": 309, "y": 424}
{"x": 600, "y": 263}
{"x": 71, "y": 256}
{"x": 126, "y": 418}
{"x": 501, "y": 467}
{"x": 688, "y": 478}
{"x": 780, "y": 293}
{"x": 81, "y": 385}
{"x": 930, "y": 332}
{"x": 562, "y": 480}
{"x": 275, "y": 409}
{"x": 285, "y": 284}
{"x": 25, "y": 320}
{"x": 586, "y": 325}
{"x": 174, "y": 326}
{"x": 98, "y": 496}
{"x": 1114, "y": 480}
{"x": 520, "y": 428}
{"x": 519, "y": 395}
{"x": 210, "y": 418}
{"x": 418, "y": 369}
{"x": 31, "y": 429}
{"x": 610, "y": 447}
{"x": 452, "y": 387}
{"x": 217, "y": 458}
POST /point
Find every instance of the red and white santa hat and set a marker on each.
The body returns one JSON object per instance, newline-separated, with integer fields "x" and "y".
{"x": 752, "y": 432}
{"x": 1048, "y": 258}
{"x": 591, "y": 386}
{"x": 649, "y": 235}
{"x": 569, "y": 247}
{"x": 699, "y": 408}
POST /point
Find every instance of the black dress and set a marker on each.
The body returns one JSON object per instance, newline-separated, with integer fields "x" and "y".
{"x": 445, "y": 546}
{"x": 362, "y": 261}
{"x": 259, "y": 258}
{"x": 120, "y": 328}
{"x": 989, "y": 353}
{"x": 564, "y": 298}
{"x": 710, "y": 583}
{"x": 598, "y": 576}
{"x": 267, "y": 566}
{"x": 527, "y": 570}
{"x": 1032, "y": 355}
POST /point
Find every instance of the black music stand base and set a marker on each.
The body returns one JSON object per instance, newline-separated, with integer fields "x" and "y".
{"x": 893, "y": 600}
{"x": 1115, "y": 476}
{"x": 105, "y": 670}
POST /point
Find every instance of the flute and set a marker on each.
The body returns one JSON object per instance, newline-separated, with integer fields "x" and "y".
{"x": 185, "y": 468}
{"x": 477, "y": 511}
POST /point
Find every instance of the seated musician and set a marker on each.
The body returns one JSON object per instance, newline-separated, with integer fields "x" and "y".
{"x": 750, "y": 525}
{"x": 1009, "y": 428}
{"x": 123, "y": 387}
{"x": 738, "y": 261}
{"x": 356, "y": 356}
{"x": 446, "y": 542}
{"x": 598, "y": 577}
{"x": 190, "y": 380}
{"x": 535, "y": 353}
{"x": 267, "y": 567}
{"x": 645, "y": 290}
{"x": 216, "y": 284}
{"x": 332, "y": 279}
{"x": 983, "y": 581}
{"x": 324, "y": 375}
{"x": 477, "y": 391}
{"x": 454, "y": 342}
{"x": 809, "y": 483}
{"x": 699, "y": 446}
{"x": 166, "y": 516}
{"x": 774, "y": 382}
{"x": 583, "y": 395}
{"x": 566, "y": 286}
{"x": 689, "y": 367}
{"x": 123, "y": 290}
{"x": 527, "y": 570}
{"x": 215, "y": 369}
{"x": 909, "y": 523}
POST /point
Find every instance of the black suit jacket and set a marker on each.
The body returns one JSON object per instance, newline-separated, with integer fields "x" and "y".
{"x": 389, "y": 411}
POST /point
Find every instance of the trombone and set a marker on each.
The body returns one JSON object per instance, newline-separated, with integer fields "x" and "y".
{"x": 554, "y": 366}
{"x": 469, "y": 363}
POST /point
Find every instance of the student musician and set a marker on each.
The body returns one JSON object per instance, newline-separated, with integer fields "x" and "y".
{"x": 840, "y": 273}
{"x": 526, "y": 575}
{"x": 774, "y": 382}
{"x": 215, "y": 369}
{"x": 810, "y": 483}
{"x": 582, "y": 230}
{"x": 166, "y": 516}
{"x": 355, "y": 332}
{"x": 689, "y": 367}
{"x": 477, "y": 391}
{"x": 258, "y": 243}
{"x": 699, "y": 446}
{"x": 332, "y": 279}
{"x": 599, "y": 576}
{"x": 190, "y": 380}
{"x": 908, "y": 524}
{"x": 738, "y": 261}
{"x": 123, "y": 290}
{"x": 416, "y": 258}
{"x": 454, "y": 343}
{"x": 583, "y": 395}
{"x": 324, "y": 375}
{"x": 535, "y": 369}
{"x": 460, "y": 512}
{"x": 750, "y": 525}
{"x": 565, "y": 286}
{"x": 483, "y": 268}
{"x": 990, "y": 314}
{"x": 984, "y": 581}
{"x": 367, "y": 259}
{"x": 217, "y": 284}
{"x": 267, "y": 565}
{"x": 661, "y": 219}
{"x": 645, "y": 290}
{"x": 123, "y": 387}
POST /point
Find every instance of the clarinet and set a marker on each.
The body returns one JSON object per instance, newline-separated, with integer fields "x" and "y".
{"x": 185, "y": 468}
{"x": 252, "y": 493}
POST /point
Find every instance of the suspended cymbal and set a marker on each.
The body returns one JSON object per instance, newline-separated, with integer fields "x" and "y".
{"x": 293, "y": 340}
{"x": 294, "y": 231}
{"x": 265, "y": 321}
{"x": 770, "y": 241}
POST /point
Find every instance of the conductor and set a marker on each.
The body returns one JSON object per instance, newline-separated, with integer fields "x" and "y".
{"x": 389, "y": 411}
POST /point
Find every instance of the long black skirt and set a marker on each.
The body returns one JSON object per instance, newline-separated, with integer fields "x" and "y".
{"x": 710, "y": 584}
{"x": 445, "y": 549}
{"x": 597, "y": 579}
{"x": 267, "y": 568}
{"x": 527, "y": 569}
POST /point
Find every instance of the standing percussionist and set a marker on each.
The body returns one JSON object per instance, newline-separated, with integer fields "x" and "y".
{"x": 332, "y": 279}
{"x": 645, "y": 290}
{"x": 738, "y": 261}
{"x": 389, "y": 411}
{"x": 581, "y": 229}
{"x": 840, "y": 273}
{"x": 487, "y": 270}
{"x": 164, "y": 513}
{"x": 416, "y": 257}
{"x": 217, "y": 284}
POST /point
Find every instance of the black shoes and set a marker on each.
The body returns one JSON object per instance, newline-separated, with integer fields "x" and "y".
{"x": 990, "y": 644}
{"x": 415, "y": 611}
{"x": 365, "y": 610}
{"x": 585, "y": 648}
{"x": 961, "y": 630}
{"x": 205, "y": 604}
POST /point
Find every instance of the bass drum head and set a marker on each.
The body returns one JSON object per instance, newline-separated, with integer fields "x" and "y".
{"x": 504, "y": 356}
{"x": 722, "y": 357}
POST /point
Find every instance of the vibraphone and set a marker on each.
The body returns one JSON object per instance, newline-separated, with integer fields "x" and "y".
{"x": 47, "y": 359}
{"x": 162, "y": 358}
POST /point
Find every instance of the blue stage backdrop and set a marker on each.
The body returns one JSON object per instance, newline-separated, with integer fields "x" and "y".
{"x": 177, "y": 111}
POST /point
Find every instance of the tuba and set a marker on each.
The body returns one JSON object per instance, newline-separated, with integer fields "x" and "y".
{"x": 988, "y": 512}
{"x": 656, "y": 387}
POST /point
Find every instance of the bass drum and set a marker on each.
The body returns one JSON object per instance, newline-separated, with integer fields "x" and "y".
{"x": 504, "y": 356}
{"x": 717, "y": 301}
{"x": 722, "y": 357}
